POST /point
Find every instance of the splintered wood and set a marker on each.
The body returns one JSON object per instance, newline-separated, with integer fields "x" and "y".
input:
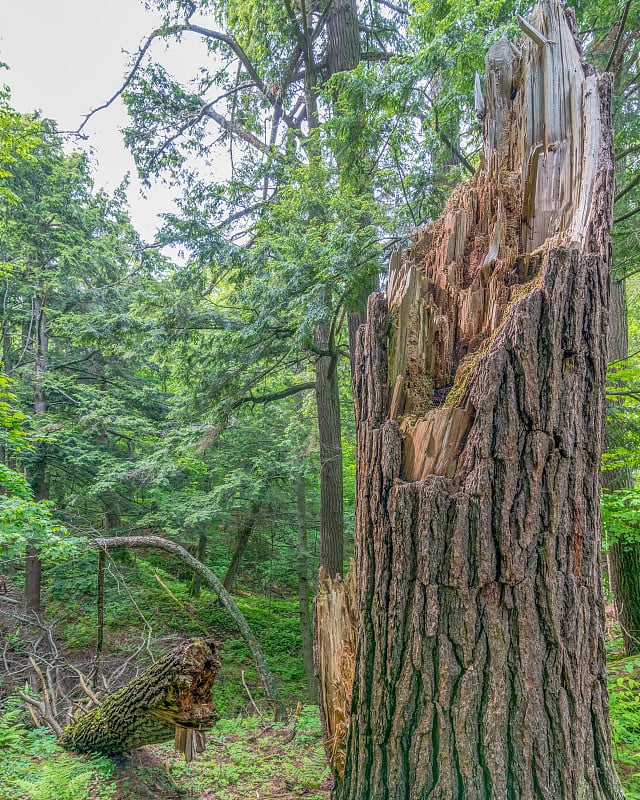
{"x": 479, "y": 394}
{"x": 449, "y": 294}
{"x": 335, "y": 660}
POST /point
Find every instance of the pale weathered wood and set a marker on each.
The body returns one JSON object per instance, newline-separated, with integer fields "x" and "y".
{"x": 335, "y": 647}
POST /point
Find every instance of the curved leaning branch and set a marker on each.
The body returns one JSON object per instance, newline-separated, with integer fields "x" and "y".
{"x": 211, "y": 580}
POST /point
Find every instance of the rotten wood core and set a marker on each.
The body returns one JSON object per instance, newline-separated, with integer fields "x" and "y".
{"x": 171, "y": 699}
{"x": 479, "y": 391}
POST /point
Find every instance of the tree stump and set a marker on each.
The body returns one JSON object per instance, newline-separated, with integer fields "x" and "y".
{"x": 171, "y": 698}
{"x": 480, "y": 409}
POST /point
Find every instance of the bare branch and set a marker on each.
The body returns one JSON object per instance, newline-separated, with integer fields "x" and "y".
{"x": 631, "y": 185}
{"x": 127, "y": 81}
{"x": 398, "y": 9}
{"x": 628, "y": 215}
{"x": 270, "y": 397}
{"x": 238, "y": 130}
{"x": 376, "y": 55}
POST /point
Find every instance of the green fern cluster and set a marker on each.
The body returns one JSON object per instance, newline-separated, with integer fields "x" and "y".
{"x": 33, "y": 767}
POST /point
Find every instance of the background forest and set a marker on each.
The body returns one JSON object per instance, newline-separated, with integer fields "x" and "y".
{"x": 197, "y": 387}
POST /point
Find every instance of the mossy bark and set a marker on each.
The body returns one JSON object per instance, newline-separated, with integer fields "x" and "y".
{"x": 173, "y": 692}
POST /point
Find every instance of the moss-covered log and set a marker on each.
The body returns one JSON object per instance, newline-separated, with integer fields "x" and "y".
{"x": 175, "y": 692}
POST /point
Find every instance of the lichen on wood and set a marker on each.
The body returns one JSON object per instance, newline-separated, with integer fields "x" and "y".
{"x": 172, "y": 698}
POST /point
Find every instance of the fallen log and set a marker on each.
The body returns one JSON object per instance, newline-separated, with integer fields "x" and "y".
{"x": 171, "y": 698}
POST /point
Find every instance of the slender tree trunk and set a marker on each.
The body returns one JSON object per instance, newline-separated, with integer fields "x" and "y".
{"x": 304, "y": 593}
{"x": 196, "y": 581}
{"x": 33, "y": 566}
{"x": 480, "y": 413}
{"x": 242, "y": 540}
{"x": 327, "y": 389}
{"x": 624, "y": 557}
{"x": 329, "y": 433}
{"x": 99, "y": 618}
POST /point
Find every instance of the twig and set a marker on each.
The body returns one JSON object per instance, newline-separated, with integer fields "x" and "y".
{"x": 257, "y": 710}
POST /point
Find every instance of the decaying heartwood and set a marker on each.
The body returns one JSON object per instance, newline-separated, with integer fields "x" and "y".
{"x": 480, "y": 406}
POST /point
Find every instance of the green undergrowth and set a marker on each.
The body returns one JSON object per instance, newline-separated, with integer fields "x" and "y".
{"x": 33, "y": 767}
{"x": 624, "y": 705}
{"x": 132, "y": 585}
{"x": 246, "y": 756}
{"x": 249, "y": 757}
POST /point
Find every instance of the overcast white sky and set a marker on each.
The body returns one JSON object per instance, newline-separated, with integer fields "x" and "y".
{"x": 66, "y": 57}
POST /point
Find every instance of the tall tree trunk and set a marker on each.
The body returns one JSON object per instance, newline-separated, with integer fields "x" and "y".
{"x": 33, "y": 566}
{"x": 343, "y": 36}
{"x": 329, "y": 434}
{"x": 480, "y": 412}
{"x": 242, "y": 540}
{"x": 304, "y": 593}
{"x": 624, "y": 557}
{"x": 196, "y": 581}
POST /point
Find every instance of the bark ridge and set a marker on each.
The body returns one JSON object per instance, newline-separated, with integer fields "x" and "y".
{"x": 480, "y": 409}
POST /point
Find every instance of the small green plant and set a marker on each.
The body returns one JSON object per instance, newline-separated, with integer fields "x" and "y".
{"x": 624, "y": 705}
{"x": 33, "y": 767}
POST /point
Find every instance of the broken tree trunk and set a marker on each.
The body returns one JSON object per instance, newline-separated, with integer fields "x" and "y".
{"x": 172, "y": 695}
{"x": 480, "y": 407}
{"x": 335, "y": 650}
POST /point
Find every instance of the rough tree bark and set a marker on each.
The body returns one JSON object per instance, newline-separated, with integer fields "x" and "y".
{"x": 172, "y": 695}
{"x": 480, "y": 409}
{"x": 624, "y": 557}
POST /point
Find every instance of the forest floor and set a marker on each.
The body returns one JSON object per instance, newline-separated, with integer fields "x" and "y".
{"x": 247, "y": 755}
